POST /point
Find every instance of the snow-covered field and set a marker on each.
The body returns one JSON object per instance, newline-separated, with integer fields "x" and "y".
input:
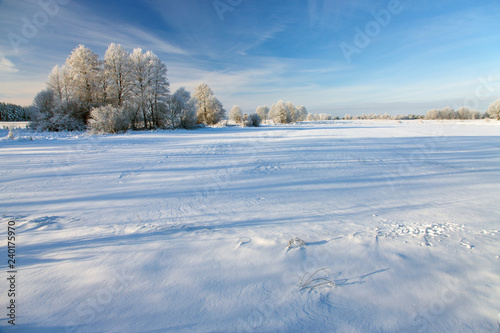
{"x": 187, "y": 231}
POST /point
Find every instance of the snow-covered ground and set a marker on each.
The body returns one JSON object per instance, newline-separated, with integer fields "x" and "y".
{"x": 188, "y": 231}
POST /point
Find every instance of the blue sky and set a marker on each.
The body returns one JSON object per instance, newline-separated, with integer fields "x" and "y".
{"x": 417, "y": 55}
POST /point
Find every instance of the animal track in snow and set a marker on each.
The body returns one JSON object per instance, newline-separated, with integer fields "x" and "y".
{"x": 427, "y": 232}
{"x": 466, "y": 243}
{"x": 266, "y": 168}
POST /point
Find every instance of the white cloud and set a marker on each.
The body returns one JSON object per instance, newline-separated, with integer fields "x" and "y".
{"x": 7, "y": 66}
{"x": 260, "y": 38}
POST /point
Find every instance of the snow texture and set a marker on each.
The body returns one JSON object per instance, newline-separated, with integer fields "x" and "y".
{"x": 189, "y": 231}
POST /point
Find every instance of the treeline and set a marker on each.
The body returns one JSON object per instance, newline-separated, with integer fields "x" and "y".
{"x": 463, "y": 113}
{"x": 381, "y": 116}
{"x": 13, "y": 112}
{"x": 280, "y": 112}
{"x": 320, "y": 117}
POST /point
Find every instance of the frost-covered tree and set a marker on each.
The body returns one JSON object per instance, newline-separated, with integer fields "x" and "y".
{"x": 45, "y": 103}
{"x": 302, "y": 113}
{"x": 181, "y": 111}
{"x": 255, "y": 118}
{"x": 150, "y": 87}
{"x": 467, "y": 113}
{"x": 294, "y": 113}
{"x": 102, "y": 83}
{"x": 449, "y": 113}
{"x": 84, "y": 69}
{"x": 236, "y": 114}
{"x": 118, "y": 68}
{"x": 172, "y": 116}
{"x": 463, "y": 113}
{"x": 159, "y": 90}
{"x": 280, "y": 113}
{"x": 141, "y": 76}
{"x": 109, "y": 119}
{"x": 75, "y": 89}
{"x": 188, "y": 116}
{"x": 136, "y": 82}
{"x": 209, "y": 109}
{"x": 188, "y": 111}
{"x": 263, "y": 112}
{"x": 250, "y": 120}
{"x": 57, "y": 82}
{"x": 48, "y": 114}
{"x": 494, "y": 110}
{"x": 432, "y": 114}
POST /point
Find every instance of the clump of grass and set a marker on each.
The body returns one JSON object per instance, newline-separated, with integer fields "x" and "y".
{"x": 316, "y": 280}
{"x": 295, "y": 242}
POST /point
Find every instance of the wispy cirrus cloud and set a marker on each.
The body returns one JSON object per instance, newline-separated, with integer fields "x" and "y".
{"x": 7, "y": 66}
{"x": 242, "y": 48}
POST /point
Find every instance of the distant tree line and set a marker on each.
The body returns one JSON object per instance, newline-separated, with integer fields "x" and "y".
{"x": 381, "y": 116}
{"x": 448, "y": 113}
{"x": 245, "y": 120}
{"x": 320, "y": 117}
{"x": 280, "y": 112}
{"x": 13, "y": 112}
{"x": 465, "y": 113}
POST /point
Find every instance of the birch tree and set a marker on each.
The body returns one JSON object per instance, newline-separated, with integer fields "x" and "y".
{"x": 181, "y": 111}
{"x": 141, "y": 77}
{"x": 280, "y": 113}
{"x": 302, "y": 112}
{"x": 118, "y": 69}
{"x": 158, "y": 89}
{"x": 294, "y": 114}
{"x": 209, "y": 109}
{"x": 263, "y": 112}
{"x": 84, "y": 68}
{"x": 236, "y": 114}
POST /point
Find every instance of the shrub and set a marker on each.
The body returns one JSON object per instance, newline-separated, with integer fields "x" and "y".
{"x": 494, "y": 110}
{"x": 251, "y": 120}
{"x": 48, "y": 114}
{"x": 236, "y": 114}
{"x": 255, "y": 119}
{"x": 109, "y": 119}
